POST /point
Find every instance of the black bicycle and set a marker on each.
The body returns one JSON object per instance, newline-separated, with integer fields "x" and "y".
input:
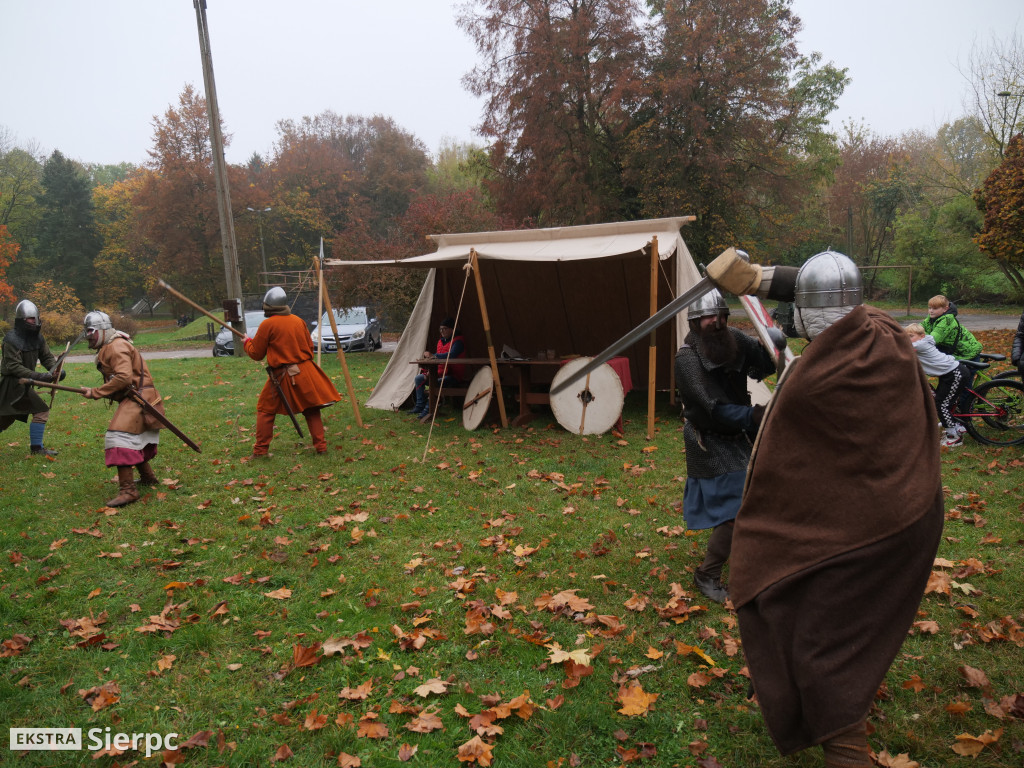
{"x": 995, "y": 410}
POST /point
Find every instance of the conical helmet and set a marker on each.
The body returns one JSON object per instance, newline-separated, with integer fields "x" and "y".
{"x": 711, "y": 303}
{"x": 275, "y": 298}
{"x": 829, "y": 279}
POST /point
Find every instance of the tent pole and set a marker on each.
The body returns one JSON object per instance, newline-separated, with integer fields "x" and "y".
{"x": 475, "y": 266}
{"x": 652, "y": 352}
{"x": 674, "y": 339}
{"x": 337, "y": 339}
{"x": 319, "y": 303}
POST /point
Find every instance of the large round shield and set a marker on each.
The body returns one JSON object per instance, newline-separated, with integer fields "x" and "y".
{"x": 478, "y": 399}
{"x": 590, "y": 405}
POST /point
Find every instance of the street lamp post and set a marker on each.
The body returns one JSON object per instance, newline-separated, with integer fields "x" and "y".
{"x": 259, "y": 226}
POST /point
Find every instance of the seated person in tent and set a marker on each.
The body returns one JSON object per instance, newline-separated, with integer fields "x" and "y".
{"x": 451, "y": 346}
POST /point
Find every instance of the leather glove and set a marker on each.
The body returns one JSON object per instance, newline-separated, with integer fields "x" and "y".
{"x": 730, "y": 272}
{"x": 63, "y": 375}
{"x": 41, "y": 376}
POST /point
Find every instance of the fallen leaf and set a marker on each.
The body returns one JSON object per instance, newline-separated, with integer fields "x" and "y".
{"x": 634, "y": 700}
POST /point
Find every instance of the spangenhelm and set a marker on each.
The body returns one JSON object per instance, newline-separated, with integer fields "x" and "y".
{"x": 97, "y": 321}
{"x": 829, "y": 279}
{"x": 275, "y": 298}
{"x": 25, "y": 310}
{"x": 711, "y": 303}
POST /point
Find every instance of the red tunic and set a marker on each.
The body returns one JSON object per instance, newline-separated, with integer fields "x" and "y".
{"x": 284, "y": 341}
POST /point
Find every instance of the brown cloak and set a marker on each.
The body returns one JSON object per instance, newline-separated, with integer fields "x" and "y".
{"x": 838, "y": 527}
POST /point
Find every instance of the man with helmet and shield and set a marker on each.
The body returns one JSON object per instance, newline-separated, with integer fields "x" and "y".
{"x": 23, "y": 348}
{"x": 826, "y": 584}
{"x": 284, "y": 341}
{"x": 712, "y": 367}
{"x": 132, "y": 436}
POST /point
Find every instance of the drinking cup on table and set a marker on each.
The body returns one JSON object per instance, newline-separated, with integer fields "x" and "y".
{"x": 551, "y": 354}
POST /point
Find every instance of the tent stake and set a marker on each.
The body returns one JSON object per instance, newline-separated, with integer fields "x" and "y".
{"x": 652, "y": 351}
{"x": 475, "y": 266}
{"x": 334, "y": 329}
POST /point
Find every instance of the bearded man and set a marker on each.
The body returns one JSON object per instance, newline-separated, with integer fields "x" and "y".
{"x": 842, "y": 514}
{"x": 712, "y": 368}
{"x": 132, "y": 436}
{"x": 23, "y": 348}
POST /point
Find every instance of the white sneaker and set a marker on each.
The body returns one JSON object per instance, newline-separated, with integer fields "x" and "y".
{"x": 951, "y": 442}
{"x": 961, "y": 429}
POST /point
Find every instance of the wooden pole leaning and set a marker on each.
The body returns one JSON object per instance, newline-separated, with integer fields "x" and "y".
{"x": 652, "y": 350}
{"x": 474, "y": 264}
{"x": 199, "y": 309}
{"x": 320, "y": 306}
{"x": 341, "y": 353}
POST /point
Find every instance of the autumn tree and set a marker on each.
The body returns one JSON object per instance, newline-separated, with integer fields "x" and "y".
{"x": 8, "y": 251}
{"x": 121, "y": 264}
{"x": 176, "y": 201}
{"x": 20, "y": 188}
{"x": 994, "y": 72}
{"x": 1002, "y": 201}
{"x": 68, "y": 241}
{"x": 732, "y": 124}
{"x": 559, "y": 78}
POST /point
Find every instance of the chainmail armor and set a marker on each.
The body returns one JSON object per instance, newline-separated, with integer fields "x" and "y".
{"x": 709, "y": 452}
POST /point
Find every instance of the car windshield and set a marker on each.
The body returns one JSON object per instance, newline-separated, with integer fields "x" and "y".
{"x": 253, "y": 320}
{"x": 353, "y": 316}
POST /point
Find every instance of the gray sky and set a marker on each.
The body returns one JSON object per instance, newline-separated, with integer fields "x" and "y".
{"x": 88, "y": 77}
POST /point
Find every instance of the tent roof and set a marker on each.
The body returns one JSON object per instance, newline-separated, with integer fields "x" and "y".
{"x": 589, "y": 241}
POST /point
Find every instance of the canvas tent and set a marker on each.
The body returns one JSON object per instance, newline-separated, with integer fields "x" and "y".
{"x": 572, "y": 289}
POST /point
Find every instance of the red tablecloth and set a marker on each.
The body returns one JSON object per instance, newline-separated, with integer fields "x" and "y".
{"x": 621, "y": 366}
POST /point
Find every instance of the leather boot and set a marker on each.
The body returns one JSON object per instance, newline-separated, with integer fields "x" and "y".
{"x": 128, "y": 493}
{"x": 146, "y": 474}
{"x": 708, "y": 576}
{"x": 848, "y": 749}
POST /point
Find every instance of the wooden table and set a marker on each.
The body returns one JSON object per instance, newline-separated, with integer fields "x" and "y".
{"x": 526, "y": 373}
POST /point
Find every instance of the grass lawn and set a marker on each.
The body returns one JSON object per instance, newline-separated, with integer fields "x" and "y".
{"x": 516, "y": 597}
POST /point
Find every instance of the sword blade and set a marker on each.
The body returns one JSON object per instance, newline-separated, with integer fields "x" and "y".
{"x": 659, "y": 318}
{"x": 135, "y": 395}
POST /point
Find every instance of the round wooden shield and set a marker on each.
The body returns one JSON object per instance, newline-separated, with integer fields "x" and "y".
{"x": 478, "y": 399}
{"x": 590, "y": 405}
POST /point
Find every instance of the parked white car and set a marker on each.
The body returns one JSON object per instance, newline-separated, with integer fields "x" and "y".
{"x": 357, "y": 330}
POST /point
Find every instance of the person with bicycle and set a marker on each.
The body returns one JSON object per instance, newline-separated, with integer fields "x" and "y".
{"x": 951, "y": 337}
{"x": 952, "y": 376}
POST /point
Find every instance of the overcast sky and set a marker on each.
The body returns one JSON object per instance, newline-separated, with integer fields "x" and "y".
{"x": 87, "y": 78}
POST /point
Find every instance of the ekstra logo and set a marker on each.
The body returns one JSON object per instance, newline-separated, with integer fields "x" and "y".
{"x": 46, "y": 738}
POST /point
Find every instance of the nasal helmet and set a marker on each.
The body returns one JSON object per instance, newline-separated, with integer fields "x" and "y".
{"x": 26, "y": 310}
{"x": 275, "y": 299}
{"x": 711, "y": 303}
{"x": 97, "y": 321}
{"x": 828, "y": 279}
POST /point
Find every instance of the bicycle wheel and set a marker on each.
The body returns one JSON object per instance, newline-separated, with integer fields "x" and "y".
{"x": 997, "y": 413}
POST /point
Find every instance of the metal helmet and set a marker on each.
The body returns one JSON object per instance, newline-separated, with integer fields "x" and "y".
{"x": 97, "y": 321}
{"x": 25, "y": 310}
{"x": 275, "y": 298}
{"x": 711, "y": 303}
{"x": 829, "y": 279}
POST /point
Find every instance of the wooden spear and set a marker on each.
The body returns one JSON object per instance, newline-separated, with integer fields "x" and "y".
{"x": 341, "y": 353}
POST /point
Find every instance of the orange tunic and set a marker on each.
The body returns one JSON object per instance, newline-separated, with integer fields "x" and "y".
{"x": 284, "y": 341}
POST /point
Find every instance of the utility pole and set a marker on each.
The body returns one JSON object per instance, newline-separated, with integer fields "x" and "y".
{"x": 232, "y": 279}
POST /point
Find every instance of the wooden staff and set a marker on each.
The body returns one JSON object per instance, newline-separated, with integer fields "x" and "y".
{"x": 337, "y": 339}
{"x": 652, "y": 350}
{"x": 475, "y": 266}
{"x": 195, "y": 306}
{"x": 239, "y": 334}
